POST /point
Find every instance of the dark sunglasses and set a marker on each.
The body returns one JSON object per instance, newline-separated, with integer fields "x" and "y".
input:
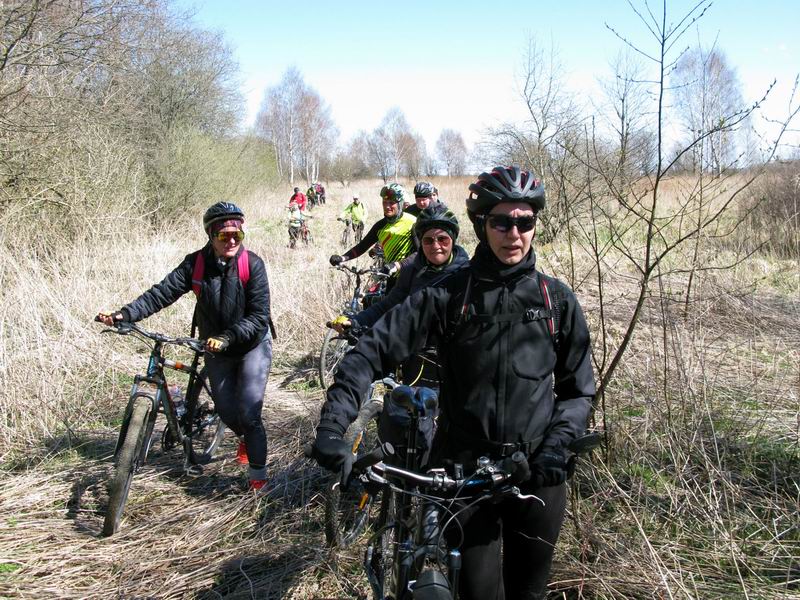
{"x": 443, "y": 240}
{"x": 224, "y": 236}
{"x": 504, "y": 223}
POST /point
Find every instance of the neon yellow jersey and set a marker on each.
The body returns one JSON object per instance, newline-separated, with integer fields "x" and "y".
{"x": 396, "y": 238}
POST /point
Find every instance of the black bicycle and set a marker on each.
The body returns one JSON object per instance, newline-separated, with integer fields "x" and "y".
{"x": 193, "y": 424}
{"x": 407, "y": 511}
{"x": 366, "y": 291}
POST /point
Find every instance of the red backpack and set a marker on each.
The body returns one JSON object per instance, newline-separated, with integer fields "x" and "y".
{"x": 242, "y": 263}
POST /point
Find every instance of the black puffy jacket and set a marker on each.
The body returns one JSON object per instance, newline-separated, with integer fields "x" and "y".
{"x": 413, "y": 277}
{"x": 240, "y": 313}
{"x": 505, "y": 379}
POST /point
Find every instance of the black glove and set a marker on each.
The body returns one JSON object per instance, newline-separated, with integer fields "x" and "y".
{"x": 549, "y": 468}
{"x": 330, "y": 450}
{"x": 335, "y": 259}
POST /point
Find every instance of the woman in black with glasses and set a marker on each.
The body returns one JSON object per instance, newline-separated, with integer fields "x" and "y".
{"x": 233, "y": 314}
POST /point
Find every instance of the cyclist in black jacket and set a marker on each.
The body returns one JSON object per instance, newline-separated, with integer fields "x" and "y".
{"x": 516, "y": 373}
{"x": 233, "y": 313}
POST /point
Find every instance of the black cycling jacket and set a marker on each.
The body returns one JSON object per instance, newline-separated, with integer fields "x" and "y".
{"x": 506, "y": 381}
{"x": 412, "y": 277}
{"x": 240, "y": 313}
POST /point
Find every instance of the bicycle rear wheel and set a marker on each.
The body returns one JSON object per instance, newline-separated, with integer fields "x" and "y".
{"x": 126, "y": 464}
{"x": 334, "y": 347}
{"x": 203, "y": 425}
{"x": 347, "y": 511}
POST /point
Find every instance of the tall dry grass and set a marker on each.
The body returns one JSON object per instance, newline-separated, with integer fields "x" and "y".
{"x": 695, "y": 495}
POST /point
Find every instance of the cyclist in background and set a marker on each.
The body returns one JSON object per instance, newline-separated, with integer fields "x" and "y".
{"x": 393, "y": 232}
{"x": 320, "y": 190}
{"x": 516, "y": 375}
{"x": 423, "y": 198}
{"x": 299, "y": 198}
{"x": 297, "y": 219}
{"x": 311, "y": 194}
{"x": 233, "y": 314}
{"x": 355, "y": 214}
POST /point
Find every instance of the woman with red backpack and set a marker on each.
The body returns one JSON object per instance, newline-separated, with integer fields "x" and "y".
{"x": 233, "y": 314}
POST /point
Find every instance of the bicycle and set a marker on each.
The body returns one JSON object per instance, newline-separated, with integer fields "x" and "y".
{"x": 194, "y": 424}
{"x": 408, "y": 556}
{"x": 345, "y": 240}
{"x": 336, "y": 345}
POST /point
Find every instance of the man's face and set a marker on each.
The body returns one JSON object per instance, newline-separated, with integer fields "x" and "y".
{"x": 512, "y": 245}
{"x": 355, "y": 200}
{"x": 437, "y": 246}
{"x": 389, "y": 207}
{"x": 422, "y": 202}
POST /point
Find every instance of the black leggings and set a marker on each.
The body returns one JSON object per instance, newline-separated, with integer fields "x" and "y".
{"x": 238, "y": 385}
{"x": 525, "y": 530}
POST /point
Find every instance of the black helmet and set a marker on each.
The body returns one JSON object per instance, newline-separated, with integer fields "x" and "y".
{"x": 505, "y": 184}
{"x": 297, "y": 189}
{"x": 436, "y": 217}
{"x": 221, "y": 211}
{"x": 423, "y": 190}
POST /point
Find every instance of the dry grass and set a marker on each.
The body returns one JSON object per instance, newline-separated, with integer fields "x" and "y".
{"x": 695, "y": 496}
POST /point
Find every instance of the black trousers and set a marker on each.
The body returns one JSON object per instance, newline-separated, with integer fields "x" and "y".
{"x": 507, "y": 548}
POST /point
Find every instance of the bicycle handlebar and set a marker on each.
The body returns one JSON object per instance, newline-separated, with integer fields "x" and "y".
{"x": 368, "y": 271}
{"x": 126, "y": 328}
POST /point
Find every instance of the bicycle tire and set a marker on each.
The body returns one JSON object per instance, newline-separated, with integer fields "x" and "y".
{"x": 346, "y": 237}
{"x": 203, "y": 424}
{"x": 334, "y": 347}
{"x": 126, "y": 464}
{"x": 383, "y": 554}
{"x": 347, "y": 511}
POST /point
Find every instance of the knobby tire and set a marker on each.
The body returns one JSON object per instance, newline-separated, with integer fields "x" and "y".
{"x": 347, "y": 511}
{"x": 334, "y": 347}
{"x": 126, "y": 464}
{"x": 205, "y": 428}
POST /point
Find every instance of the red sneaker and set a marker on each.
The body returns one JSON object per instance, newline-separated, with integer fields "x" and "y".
{"x": 257, "y": 484}
{"x": 241, "y": 454}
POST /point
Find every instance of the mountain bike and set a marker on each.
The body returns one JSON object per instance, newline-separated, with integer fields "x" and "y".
{"x": 305, "y": 234}
{"x": 408, "y": 555}
{"x": 336, "y": 345}
{"x": 345, "y": 240}
{"x": 193, "y": 424}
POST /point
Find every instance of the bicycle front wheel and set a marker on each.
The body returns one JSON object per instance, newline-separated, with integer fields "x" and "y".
{"x": 203, "y": 425}
{"x": 334, "y": 347}
{"x": 346, "y": 237}
{"x": 347, "y": 511}
{"x": 127, "y": 463}
{"x": 381, "y": 555}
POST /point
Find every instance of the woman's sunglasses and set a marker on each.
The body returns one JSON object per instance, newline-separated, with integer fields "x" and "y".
{"x": 443, "y": 240}
{"x": 504, "y": 223}
{"x": 225, "y": 236}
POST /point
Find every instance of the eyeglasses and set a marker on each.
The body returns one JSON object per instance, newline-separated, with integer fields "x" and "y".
{"x": 443, "y": 240}
{"x": 504, "y": 223}
{"x": 226, "y": 236}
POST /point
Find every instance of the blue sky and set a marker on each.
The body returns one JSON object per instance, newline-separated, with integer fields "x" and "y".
{"x": 454, "y": 64}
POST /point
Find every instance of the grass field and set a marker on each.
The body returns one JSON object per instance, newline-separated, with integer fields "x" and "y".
{"x": 695, "y": 495}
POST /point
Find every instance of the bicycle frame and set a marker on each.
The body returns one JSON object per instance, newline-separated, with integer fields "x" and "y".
{"x": 161, "y": 400}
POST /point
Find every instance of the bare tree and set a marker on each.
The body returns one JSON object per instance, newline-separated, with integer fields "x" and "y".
{"x": 452, "y": 152}
{"x": 298, "y": 124}
{"x": 391, "y": 144}
{"x": 707, "y": 90}
{"x": 416, "y": 158}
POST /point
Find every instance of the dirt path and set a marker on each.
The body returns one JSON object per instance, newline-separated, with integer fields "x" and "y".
{"x": 182, "y": 537}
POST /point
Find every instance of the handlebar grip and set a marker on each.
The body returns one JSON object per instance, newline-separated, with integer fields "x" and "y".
{"x": 518, "y": 468}
{"x": 371, "y": 458}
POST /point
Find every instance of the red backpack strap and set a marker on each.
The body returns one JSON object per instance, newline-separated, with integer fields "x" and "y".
{"x": 548, "y": 304}
{"x": 243, "y": 265}
{"x": 197, "y": 272}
